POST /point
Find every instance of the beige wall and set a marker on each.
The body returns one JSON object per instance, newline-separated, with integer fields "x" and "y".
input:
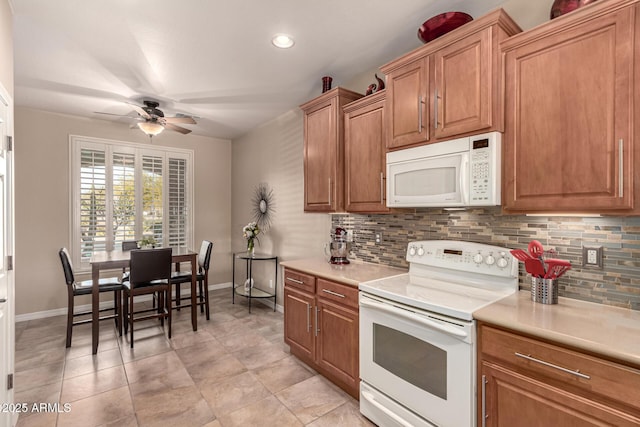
{"x": 42, "y": 199}
{"x": 527, "y": 13}
{"x": 272, "y": 154}
{"x": 6, "y": 46}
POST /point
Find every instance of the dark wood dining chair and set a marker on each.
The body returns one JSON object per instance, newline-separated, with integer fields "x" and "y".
{"x": 85, "y": 287}
{"x": 128, "y": 245}
{"x": 202, "y": 277}
{"x": 149, "y": 273}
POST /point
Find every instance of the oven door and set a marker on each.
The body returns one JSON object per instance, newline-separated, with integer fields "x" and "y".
{"x": 423, "y": 361}
{"x": 440, "y": 181}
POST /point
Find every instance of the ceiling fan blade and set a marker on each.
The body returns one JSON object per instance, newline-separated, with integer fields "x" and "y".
{"x": 188, "y": 120}
{"x": 177, "y": 128}
{"x": 111, "y": 114}
{"x": 140, "y": 110}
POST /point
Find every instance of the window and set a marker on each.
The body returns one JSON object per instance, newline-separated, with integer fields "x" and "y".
{"x": 124, "y": 191}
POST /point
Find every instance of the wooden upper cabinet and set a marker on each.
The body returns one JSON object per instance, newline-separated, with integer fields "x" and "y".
{"x": 568, "y": 144}
{"x": 449, "y": 87}
{"x": 365, "y": 155}
{"x": 464, "y": 99}
{"x": 324, "y": 150}
{"x": 407, "y": 104}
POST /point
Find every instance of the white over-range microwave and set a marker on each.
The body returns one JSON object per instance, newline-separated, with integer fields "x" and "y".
{"x": 457, "y": 173}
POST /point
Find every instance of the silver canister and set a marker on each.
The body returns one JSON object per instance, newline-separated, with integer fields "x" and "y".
{"x": 544, "y": 291}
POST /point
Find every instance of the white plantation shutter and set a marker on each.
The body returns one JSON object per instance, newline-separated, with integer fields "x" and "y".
{"x": 178, "y": 207}
{"x": 92, "y": 195}
{"x": 124, "y": 191}
{"x": 152, "y": 204}
{"x": 123, "y": 197}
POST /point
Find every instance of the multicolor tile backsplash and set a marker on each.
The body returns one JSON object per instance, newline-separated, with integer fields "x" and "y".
{"x": 618, "y": 283}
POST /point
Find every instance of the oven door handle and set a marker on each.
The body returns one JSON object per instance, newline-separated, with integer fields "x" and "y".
{"x": 371, "y": 399}
{"x": 414, "y": 318}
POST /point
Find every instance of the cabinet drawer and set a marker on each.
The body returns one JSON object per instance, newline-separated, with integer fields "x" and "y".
{"x": 343, "y": 294}
{"x": 563, "y": 367}
{"x": 299, "y": 280}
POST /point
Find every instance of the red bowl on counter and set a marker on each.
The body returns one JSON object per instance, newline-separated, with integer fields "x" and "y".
{"x": 442, "y": 24}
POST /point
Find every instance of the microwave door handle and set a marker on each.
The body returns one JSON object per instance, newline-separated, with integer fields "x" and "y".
{"x": 387, "y": 308}
{"x": 395, "y": 417}
{"x": 464, "y": 179}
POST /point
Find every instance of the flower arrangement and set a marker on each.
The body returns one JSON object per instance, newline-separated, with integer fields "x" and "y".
{"x": 147, "y": 241}
{"x": 250, "y": 232}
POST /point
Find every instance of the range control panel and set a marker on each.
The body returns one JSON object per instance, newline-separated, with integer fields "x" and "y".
{"x": 463, "y": 256}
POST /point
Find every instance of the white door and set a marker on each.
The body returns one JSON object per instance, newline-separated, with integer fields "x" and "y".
{"x": 7, "y": 315}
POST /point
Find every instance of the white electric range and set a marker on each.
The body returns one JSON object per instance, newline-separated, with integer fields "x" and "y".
{"x": 417, "y": 333}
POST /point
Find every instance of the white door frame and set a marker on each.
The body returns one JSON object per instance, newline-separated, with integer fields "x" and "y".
{"x": 7, "y": 250}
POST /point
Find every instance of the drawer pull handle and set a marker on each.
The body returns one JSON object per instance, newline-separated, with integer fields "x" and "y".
{"x": 333, "y": 293}
{"x": 577, "y": 373}
{"x": 299, "y": 282}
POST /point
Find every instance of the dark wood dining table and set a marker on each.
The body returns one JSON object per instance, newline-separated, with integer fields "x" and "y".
{"x": 117, "y": 259}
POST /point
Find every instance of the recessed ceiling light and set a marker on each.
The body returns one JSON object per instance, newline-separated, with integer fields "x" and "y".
{"x": 282, "y": 41}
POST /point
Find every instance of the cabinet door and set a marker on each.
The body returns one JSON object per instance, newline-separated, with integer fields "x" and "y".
{"x": 365, "y": 162}
{"x": 337, "y": 342}
{"x": 407, "y": 104}
{"x": 569, "y": 118}
{"x": 320, "y": 159}
{"x": 462, "y": 94}
{"x": 298, "y": 322}
{"x": 513, "y": 399}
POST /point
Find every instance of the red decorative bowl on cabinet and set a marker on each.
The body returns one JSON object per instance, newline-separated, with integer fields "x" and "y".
{"x": 560, "y": 7}
{"x": 442, "y": 24}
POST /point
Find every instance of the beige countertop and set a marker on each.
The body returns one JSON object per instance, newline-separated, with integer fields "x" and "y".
{"x": 351, "y": 274}
{"x": 610, "y": 331}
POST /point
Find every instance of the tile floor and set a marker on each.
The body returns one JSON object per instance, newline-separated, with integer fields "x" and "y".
{"x": 234, "y": 371}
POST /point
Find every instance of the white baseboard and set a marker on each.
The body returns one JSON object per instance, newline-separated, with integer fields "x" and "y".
{"x": 105, "y": 304}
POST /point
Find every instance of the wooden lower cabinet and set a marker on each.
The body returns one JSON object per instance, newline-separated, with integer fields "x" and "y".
{"x": 526, "y": 382}
{"x": 321, "y": 327}
{"x": 337, "y": 337}
{"x": 297, "y": 321}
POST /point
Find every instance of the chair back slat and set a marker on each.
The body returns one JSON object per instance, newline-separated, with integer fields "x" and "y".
{"x": 204, "y": 256}
{"x": 150, "y": 264}
{"x": 128, "y": 245}
{"x": 67, "y": 266}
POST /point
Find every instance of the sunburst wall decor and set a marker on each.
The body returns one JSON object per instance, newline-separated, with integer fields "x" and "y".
{"x": 263, "y": 206}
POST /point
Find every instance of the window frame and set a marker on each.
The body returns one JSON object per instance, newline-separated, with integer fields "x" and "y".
{"x": 79, "y": 142}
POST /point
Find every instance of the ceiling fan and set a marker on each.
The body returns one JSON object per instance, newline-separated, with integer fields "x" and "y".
{"x": 152, "y": 120}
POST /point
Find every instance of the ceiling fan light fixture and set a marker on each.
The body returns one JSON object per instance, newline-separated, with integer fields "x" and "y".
{"x": 282, "y": 41}
{"x": 151, "y": 128}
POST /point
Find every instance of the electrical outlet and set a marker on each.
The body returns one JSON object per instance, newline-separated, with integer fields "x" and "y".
{"x": 349, "y": 235}
{"x": 271, "y": 283}
{"x": 592, "y": 256}
{"x": 378, "y": 237}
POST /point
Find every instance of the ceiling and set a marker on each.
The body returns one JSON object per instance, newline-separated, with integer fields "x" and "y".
{"x": 210, "y": 59}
